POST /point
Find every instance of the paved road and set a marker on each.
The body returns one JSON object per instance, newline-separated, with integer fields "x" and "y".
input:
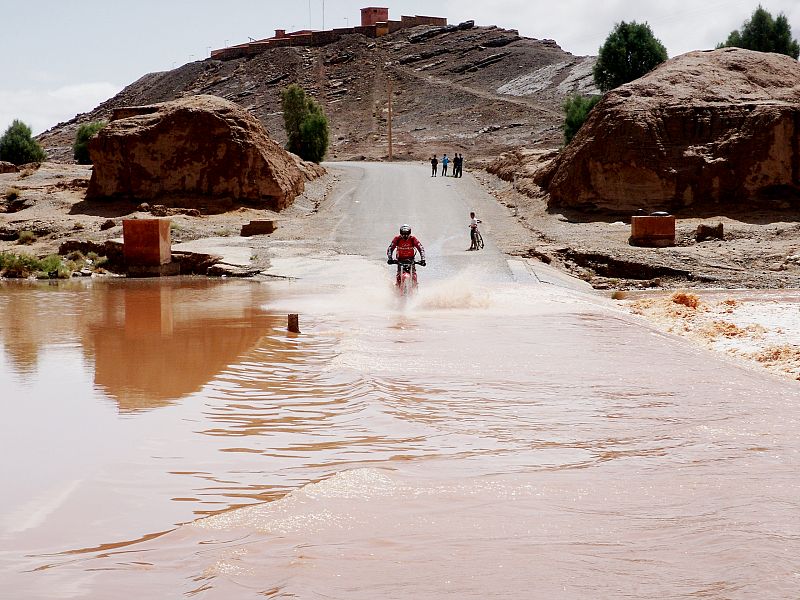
{"x": 381, "y": 197}
{"x": 384, "y": 196}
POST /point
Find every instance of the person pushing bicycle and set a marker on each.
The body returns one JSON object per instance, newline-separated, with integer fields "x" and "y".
{"x": 473, "y": 232}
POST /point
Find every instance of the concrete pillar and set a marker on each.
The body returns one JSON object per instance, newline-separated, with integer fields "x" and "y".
{"x": 146, "y": 248}
{"x": 653, "y": 231}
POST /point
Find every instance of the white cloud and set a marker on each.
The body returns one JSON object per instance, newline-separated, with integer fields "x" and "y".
{"x": 43, "y": 109}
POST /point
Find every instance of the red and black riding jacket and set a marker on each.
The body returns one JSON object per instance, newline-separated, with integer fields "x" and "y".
{"x": 405, "y": 247}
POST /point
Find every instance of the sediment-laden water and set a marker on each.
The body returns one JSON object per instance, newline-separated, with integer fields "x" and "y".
{"x": 495, "y": 440}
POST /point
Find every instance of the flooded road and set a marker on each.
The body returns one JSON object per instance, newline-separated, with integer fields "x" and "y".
{"x": 492, "y": 439}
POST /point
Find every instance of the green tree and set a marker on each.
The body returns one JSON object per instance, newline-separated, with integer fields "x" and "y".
{"x": 764, "y": 34}
{"x": 80, "y": 149}
{"x": 18, "y": 146}
{"x": 314, "y": 133}
{"x": 306, "y": 125}
{"x": 630, "y": 51}
{"x": 576, "y": 111}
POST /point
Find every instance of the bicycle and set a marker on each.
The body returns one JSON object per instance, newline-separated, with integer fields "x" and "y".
{"x": 477, "y": 239}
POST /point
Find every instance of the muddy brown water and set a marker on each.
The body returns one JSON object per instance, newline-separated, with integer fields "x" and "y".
{"x": 171, "y": 439}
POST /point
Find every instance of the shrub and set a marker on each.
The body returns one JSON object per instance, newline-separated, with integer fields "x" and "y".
{"x": 576, "y": 111}
{"x": 314, "y": 133}
{"x": 630, "y": 51}
{"x": 18, "y": 147}
{"x": 764, "y": 34}
{"x": 52, "y": 266}
{"x": 306, "y": 125}
{"x": 26, "y": 237}
{"x": 80, "y": 149}
{"x": 12, "y": 193}
{"x": 18, "y": 265}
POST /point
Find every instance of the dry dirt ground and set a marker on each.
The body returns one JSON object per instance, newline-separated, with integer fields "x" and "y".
{"x": 760, "y": 248}
{"x": 760, "y": 251}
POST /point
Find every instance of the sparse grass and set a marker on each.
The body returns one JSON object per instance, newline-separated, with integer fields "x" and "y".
{"x": 24, "y": 265}
{"x": 95, "y": 261}
{"x": 26, "y": 237}
{"x": 13, "y": 193}
{"x": 52, "y": 266}
{"x": 619, "y": 295}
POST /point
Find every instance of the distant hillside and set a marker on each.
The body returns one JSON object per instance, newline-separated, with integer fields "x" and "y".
{"x": 478, "y": 91}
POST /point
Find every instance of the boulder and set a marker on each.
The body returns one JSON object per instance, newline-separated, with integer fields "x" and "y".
{"x": 7, "y": 167}
{"x": 194, "y": 152}
{"x": 716, "y": 128}
{"x": 708, "y": 232}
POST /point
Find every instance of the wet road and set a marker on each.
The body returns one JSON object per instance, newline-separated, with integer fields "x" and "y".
{"x": 498, "y": 437}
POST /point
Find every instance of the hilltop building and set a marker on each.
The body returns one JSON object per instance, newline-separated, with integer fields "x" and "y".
{"x": 375, "y": 22}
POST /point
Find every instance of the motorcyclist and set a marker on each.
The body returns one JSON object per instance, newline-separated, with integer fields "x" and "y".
{"x": 406, "y": 246}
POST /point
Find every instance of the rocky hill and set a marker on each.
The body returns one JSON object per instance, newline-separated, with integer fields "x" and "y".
{"x": 704, "y": 130}
{"x": 478, "y": 91}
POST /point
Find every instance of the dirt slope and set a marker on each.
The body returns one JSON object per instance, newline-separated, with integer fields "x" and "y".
{"x": 478, "y": 91}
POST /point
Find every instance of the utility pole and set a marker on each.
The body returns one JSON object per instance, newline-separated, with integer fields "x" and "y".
{"x": 390, "y": 118}
{"x": 323, "y": 15}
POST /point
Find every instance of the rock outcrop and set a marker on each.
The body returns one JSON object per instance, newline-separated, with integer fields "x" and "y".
{"x": 714, "y": 128}
{"x": 196, "y": 152}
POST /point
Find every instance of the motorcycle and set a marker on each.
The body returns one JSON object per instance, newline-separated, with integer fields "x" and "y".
{"x": 407, "y": 278}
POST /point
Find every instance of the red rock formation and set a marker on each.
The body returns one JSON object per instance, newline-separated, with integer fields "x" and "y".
{"x": 191, "y": 152}
{"x": 712, "y": 128}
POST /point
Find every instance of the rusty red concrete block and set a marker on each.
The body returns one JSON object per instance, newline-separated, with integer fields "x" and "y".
{"x": 146, "y": 242}
{"x": 652, "y": 230}
{"x": 258, "y": 228}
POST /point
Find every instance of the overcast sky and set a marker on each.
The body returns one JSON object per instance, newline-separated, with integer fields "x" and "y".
{"x": 63, "y": 57}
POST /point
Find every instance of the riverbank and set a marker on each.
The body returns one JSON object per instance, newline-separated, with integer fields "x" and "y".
{"x": 759, "y": 253}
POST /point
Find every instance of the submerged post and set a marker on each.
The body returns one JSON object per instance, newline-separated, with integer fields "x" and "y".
{"x": 294, "y": 323}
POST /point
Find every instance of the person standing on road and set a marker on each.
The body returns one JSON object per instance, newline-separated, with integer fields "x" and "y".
{"x": 434, "y": 165}
{"x": 445, "y": 162}
{"x": 460, "y": 165}
{"x": 473, "y": 231}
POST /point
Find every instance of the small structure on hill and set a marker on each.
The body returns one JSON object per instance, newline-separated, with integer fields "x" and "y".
{"x": 375, "y": 22}
{"x": 706, "y": 129}
{"x": 201, "y": 152}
